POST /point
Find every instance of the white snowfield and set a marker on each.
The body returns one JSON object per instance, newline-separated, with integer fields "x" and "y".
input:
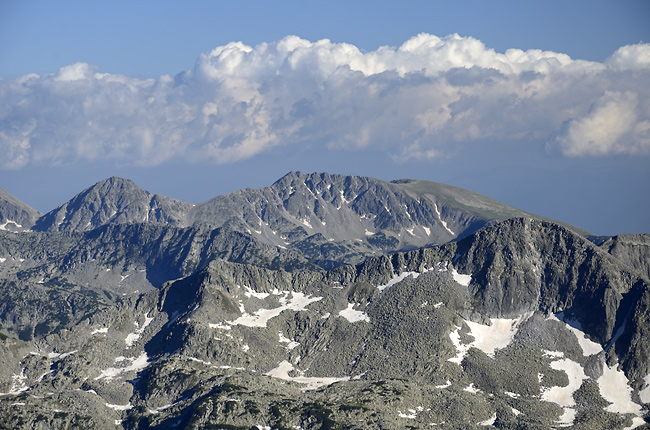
{"x": 463, "y": 280}
{"x": 312, "y": 383}
{"x": 136, "y": 365}
{"x": 353, "y": 315}
{"x": 297, "y": 302}
{"x": 291, "y": 344}
{"x": 496, "y": 336}
{"x": 613, "y": 384}
{"x": 132, "y": 338}
{"x": 563, "y": 396}
{"x": 488, "y": 339}
{"x": 4, "y": 225}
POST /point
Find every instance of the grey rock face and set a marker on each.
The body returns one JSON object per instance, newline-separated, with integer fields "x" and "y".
{"x": 15, "y": 215}
{"x": 474, "y": 333}
{"x": 631, "y": 249}
{"x": 129, "y": 310}
{"x": 328, "y": 219}
{"x": 112, "y": 201}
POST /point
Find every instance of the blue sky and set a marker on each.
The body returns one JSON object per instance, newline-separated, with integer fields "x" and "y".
{"x": 541, "y": 105}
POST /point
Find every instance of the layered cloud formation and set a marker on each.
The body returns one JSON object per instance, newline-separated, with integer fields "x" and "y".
{"x": 428, "y": 98}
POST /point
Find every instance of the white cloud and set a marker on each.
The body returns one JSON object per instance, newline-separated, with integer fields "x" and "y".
{"x": 616, "y": 124}
{"x": 631, "y": 57}
{"x": 424, "y": 99}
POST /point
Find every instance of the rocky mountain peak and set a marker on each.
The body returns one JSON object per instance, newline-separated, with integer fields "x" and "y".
{"x": 113, "y": 200}
{"x": 15, "y": 215}
{"x": 216, "y": 316}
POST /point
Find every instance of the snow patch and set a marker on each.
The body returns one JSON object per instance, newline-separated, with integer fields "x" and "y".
{"x": 496, "y": 336}
{"x": 588, "y": 346}
{"x": 100, "y": 330}
{"x": 563, "y": 396}
{"x": 18, "y": 384}
{"x": 306, "y": 223}
{"x": 312, "y": 383}
{"x": 298, "y": 302}
{"x": 463, "y": 280}
{"x": 353, "y": 315}
{"x": 489, "y": 421}
{"x": 120, "y": 407}
{"x": 471, "y": 389}
{"x": 644, "y": 394}
{"x": 613, "y": 386}
{"x": 132, "y": 338}
{"x": 410, "y": 416}
{"x": 291, "y": 344}
{"x": 397, "y": 279}
{"x": 220, "y": 326}
{"x": 136, "y": 365}
{"x": 446, "y": 385}
{"x": 6, "y": 223}
{"x": 488, "y": 339}
{"x": 252, "y": 293}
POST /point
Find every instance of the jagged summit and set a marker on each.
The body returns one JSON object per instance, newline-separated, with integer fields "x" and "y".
{"x": 331, "y": 219}
{"x": 113, "y": 200}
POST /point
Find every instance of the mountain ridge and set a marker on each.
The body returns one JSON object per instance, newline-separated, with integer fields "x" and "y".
{"x": 243, "y": 346}
{"x": 322, "y": 301}
{"x": 16, "y": 215}
{"x": 332, "y": 219}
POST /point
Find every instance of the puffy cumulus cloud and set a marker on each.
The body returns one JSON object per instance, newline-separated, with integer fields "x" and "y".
{"x": 425, "y": 99}
{"x": 631, "y": 57}
{"x": 617, "y": 123}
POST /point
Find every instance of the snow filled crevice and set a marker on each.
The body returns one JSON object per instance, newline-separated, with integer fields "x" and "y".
{"x": 444, "y": 223}
{"x": 644, "y": 394}
{"x": 563, "y": 396}
{"x": 588, "y": 346}
{"x": 132, "y": 338}
{"x": 396, "y": 279}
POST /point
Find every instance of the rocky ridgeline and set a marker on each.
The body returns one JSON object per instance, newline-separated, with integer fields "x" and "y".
{"x": 523, "y": 324}
{"x": 328, "y": 219}
{"x": 15, "y": 215}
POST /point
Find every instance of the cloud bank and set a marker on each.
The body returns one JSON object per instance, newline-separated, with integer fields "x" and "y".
{"x": 430, "y": 97}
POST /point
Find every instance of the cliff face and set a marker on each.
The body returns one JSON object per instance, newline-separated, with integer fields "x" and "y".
{"x": 496, "y": 329}
{"x": 15, "y": 215}
{"x": 137, "y": 311}
{"x": 631, "y": 249}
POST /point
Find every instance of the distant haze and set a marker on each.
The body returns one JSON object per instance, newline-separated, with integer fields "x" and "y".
{"x": 562, "y": 134}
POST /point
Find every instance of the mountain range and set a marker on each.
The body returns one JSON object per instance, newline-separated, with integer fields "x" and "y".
{"x": 320, "y": 302}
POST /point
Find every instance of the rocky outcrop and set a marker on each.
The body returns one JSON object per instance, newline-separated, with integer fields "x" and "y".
{"x": 633, "y": 250}
{"x": 113, "y": 201}
{"x": 522, "y": 324}
{"x": 15, "y": 215}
